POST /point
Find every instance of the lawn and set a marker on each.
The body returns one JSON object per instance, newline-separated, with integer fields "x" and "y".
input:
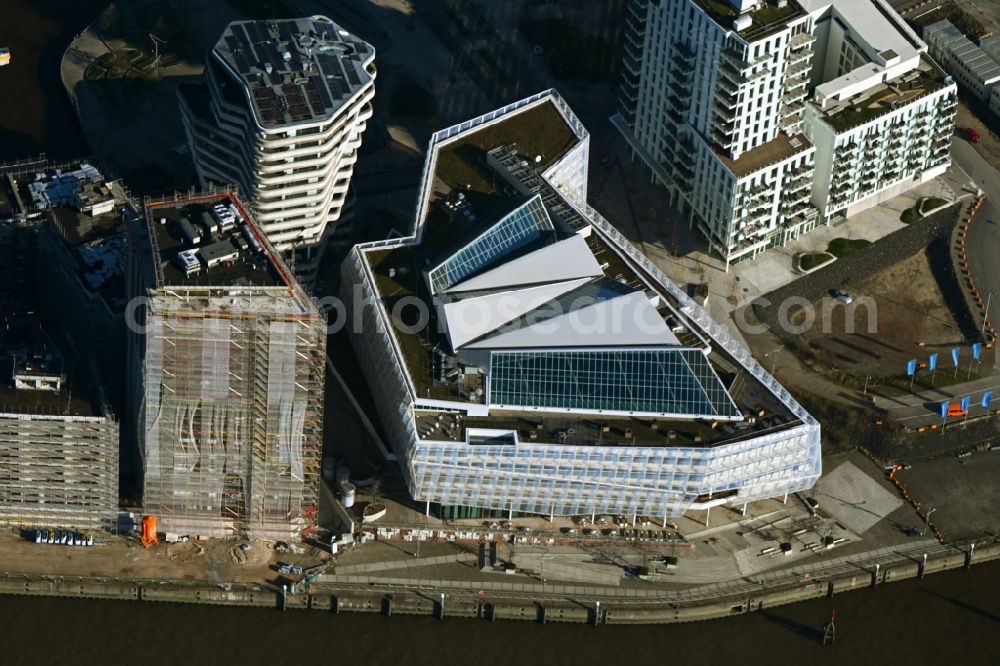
{"x": 910, "y": 215}
{"x": 812, "y": 260}
{"x": 841, "y": 247}
{"x": 931, "y": 203}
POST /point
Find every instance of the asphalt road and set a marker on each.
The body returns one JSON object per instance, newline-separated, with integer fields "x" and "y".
{"x": 924, "y": 408}
{"x": 983, "y": 242}
{"x": 983, "y": 245}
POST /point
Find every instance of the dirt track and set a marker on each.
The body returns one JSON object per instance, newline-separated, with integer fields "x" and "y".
{"x": 214, "y": 560}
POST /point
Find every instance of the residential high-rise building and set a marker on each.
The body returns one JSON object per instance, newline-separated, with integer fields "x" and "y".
{"x": 525, "y": 357}
{"x": 765, "y": 118}
{"x": 227, "y": 368}
{"x": 280, "y": 115}
{"x": 58, "y": 436}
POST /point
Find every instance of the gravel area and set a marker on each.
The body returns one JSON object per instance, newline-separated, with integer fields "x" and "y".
{"x": 861, "y": 264}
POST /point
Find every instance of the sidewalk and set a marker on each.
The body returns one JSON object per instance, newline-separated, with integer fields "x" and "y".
{"x": 923, "y": 408}
{"x": 621, "y": 190}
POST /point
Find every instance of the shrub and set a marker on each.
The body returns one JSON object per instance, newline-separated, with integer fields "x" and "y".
{"x": 841, "y": 247}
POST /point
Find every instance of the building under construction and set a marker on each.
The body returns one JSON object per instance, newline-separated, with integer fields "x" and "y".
{"x": 227, "y": 359}
{"x": 58, "y": 438}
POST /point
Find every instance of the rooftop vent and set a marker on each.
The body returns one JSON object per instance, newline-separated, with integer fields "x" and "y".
{"x": 742, "y": 22}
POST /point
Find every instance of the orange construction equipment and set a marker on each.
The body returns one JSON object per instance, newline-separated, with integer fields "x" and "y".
{"x": 149, "y": 531}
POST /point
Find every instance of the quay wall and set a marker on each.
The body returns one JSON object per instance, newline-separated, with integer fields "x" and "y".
{"x": 370, "y": 598}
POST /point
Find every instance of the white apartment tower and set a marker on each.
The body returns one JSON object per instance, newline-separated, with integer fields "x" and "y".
{"x": 280, "y": 115}
{"x": 765, "y": 118}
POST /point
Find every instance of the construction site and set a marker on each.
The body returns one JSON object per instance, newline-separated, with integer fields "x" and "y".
{"x": 226, "y": 365}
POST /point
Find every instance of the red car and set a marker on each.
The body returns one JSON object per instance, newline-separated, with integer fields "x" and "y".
{"x": 971, "y": 135}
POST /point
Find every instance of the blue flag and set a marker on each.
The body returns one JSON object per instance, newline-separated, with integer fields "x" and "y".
{"x": 911, "y": 366}
{"x": 954, "y": 356}
{"x": 965, "y": 404}
{"x": 932, "y": 362}
{"x": 986, "y": 399}
{"x": 944, "y": 410}
{"x": 976, "y": 348}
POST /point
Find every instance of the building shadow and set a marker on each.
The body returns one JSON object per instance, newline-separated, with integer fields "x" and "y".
{"x": 964, "y": 606}
{"x": 803, "y": 630}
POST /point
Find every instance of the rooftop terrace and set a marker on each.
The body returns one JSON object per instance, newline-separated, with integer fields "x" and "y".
{"x": 885, "y": 97}
{"x": 777, "y": 150}
{"x": 197, "y": 249}
{"x": 297, "y": 70}
{"x": 764, "y": 413}
{"x": 540, "y": 131}
{"x": 765, "y": 21}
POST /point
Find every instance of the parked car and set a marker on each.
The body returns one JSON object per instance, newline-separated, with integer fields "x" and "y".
{"x": 843, "y": 296}
{"x": 971, "y": 135}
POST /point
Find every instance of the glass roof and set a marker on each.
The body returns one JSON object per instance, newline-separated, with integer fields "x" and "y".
{"x": 642, "y": 381}
{"x": 515, "y": 230}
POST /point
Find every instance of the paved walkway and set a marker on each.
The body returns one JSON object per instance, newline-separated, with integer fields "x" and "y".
{"x": 775, "y": 268}
{"x": 924, "y": 408}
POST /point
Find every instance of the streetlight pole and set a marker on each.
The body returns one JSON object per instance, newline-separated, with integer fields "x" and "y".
{"x": 986, "y": 312}
{"x": 927, "y": 521}
{"x": 774, "y": 361}
{"x": 541, "y": 566}
{"x": 865, "y": 392}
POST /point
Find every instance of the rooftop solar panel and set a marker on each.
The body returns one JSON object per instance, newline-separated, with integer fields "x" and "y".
{"x": 260, "y": 31}
{"x": 242, "y": 28}
{"x": 324, "y": 94}
{"x": 243, "y": 63}
{"x": 352, "y": 76}
{"x": 337, "y": 86}
{"x": 273, "y": 115}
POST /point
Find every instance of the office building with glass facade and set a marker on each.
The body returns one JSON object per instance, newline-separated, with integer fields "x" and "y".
{"x": 525, "y": 357}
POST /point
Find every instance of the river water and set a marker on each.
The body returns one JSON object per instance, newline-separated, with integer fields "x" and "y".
{"x": 36, "y": 115}
{"x": 952, "y": 617}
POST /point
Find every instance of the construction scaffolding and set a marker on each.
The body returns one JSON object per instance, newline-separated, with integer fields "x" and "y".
{"x": 232, "y": 378}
